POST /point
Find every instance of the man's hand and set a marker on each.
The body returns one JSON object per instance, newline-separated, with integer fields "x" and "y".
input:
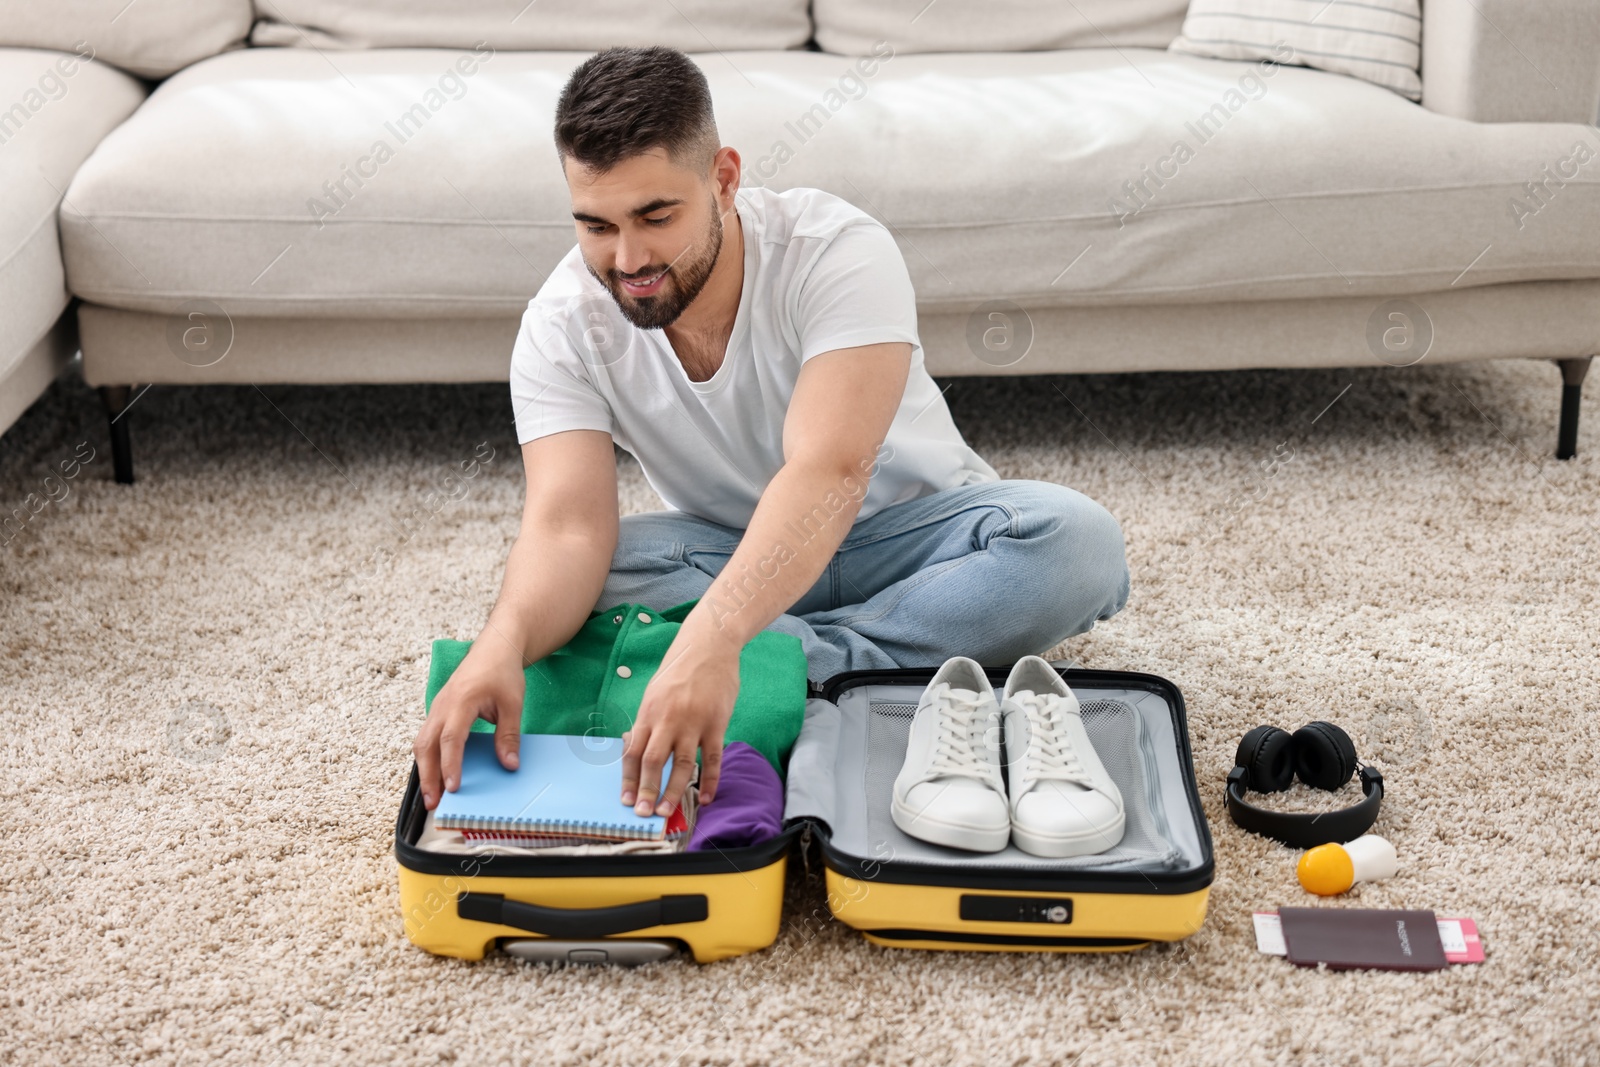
{"x": 686, "y": 706}
{"x": 488, "y": 684}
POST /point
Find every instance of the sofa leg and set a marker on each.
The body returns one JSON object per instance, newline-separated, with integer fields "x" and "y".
{"x": 1572, "y": 372}
{"x": 115, "y": 398}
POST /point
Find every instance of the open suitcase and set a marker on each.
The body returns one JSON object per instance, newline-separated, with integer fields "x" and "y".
{"x": 895, "y": 889}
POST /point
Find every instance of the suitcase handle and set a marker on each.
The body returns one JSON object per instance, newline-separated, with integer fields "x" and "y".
{"x": 582, "y": 922}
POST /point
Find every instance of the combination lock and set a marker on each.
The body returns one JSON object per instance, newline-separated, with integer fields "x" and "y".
{"x": 995, "y": 909}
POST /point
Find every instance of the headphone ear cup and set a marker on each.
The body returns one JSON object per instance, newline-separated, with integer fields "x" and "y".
{"x": 1324, "y": 755}
{"x": 1266, "y": 754}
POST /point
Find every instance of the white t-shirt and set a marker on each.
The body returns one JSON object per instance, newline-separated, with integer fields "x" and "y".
{"x": 819, "y": 274}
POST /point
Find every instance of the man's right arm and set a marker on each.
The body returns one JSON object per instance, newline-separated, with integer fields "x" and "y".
{"x": 555, "y": 574}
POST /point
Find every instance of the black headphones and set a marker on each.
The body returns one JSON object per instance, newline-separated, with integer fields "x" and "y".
{"x": 1324, "y": 757}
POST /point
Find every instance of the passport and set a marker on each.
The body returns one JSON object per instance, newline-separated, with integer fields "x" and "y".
{"x": 1380, "y": 938}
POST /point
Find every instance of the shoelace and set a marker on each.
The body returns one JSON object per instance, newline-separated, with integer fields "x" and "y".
{"x": 955, "y": 750}
{"x": 1049, "y": 755}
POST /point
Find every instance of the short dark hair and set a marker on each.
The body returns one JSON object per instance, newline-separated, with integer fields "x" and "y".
{"x": 622, "y": 102}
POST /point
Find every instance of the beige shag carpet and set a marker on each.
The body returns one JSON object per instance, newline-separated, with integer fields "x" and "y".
{"x": 212, "y": 678}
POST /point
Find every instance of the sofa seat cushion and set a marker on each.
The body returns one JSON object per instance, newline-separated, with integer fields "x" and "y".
{"x": 424, "y": 182}
{"x": 57, "y": 108}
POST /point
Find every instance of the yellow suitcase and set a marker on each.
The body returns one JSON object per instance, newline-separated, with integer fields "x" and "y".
{"x": 897, "y": 891}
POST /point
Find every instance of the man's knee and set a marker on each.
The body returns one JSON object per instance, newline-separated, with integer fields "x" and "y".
{"x": 1069, "y": 524}
{"x": 1077, "y": 550}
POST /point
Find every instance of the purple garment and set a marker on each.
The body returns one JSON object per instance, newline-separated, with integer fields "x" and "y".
{"x": 748, "y": 808}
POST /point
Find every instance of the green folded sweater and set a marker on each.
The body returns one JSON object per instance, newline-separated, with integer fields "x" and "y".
{"x": 592, "y": 685}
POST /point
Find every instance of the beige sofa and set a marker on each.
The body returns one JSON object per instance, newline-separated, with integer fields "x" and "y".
{"x": 367, "y": 191}
{"x": 58, "y": 105}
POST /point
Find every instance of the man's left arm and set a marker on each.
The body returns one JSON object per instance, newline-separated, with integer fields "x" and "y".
{"x": 837, "y": 419}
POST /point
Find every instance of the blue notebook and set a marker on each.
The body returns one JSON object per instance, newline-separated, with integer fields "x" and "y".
{"x": 564, "y": 785}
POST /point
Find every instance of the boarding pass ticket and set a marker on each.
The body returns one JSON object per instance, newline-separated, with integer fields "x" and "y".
{"x": 1459, "y": 937}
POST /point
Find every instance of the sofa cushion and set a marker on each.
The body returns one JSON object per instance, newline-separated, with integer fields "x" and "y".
{"x": 56, "y": 108}
{"x": 1379, "y": 40}
{"x": 549, "y": 25}
{"x": 151, "y": 38}
{"x": 854, "y": 27}
{"x": 399, "y": 185}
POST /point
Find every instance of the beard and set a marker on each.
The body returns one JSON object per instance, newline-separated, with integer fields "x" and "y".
{"x": 683, "y": 282}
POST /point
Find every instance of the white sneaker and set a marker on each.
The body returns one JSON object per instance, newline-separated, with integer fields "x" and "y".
{"x": 1063, "y": 803}
{"x": 949, "y": 790}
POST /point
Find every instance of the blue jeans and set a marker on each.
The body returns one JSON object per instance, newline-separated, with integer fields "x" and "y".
{"x": 995, "y": 571}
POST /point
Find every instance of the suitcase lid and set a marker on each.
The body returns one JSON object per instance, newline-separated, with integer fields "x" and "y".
{"x": 852, "y": 744}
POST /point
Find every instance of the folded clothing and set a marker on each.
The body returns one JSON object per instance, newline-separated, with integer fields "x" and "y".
{"x": 747, "y": 810}
{"x": 592, "y": 685}
{"x": 748, "y": 807}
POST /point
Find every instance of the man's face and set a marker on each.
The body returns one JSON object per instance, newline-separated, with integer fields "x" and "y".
{"x": 647, "y": 220}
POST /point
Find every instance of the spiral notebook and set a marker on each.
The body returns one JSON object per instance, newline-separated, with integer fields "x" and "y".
{"x": 566, "y": 785}
{"x": 677, "y": 829}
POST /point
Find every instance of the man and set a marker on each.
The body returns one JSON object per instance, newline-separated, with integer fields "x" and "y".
{"x": 757, "y": 352}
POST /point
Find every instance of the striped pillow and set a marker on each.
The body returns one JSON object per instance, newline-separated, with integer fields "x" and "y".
{"x": 1379, "y": 40}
